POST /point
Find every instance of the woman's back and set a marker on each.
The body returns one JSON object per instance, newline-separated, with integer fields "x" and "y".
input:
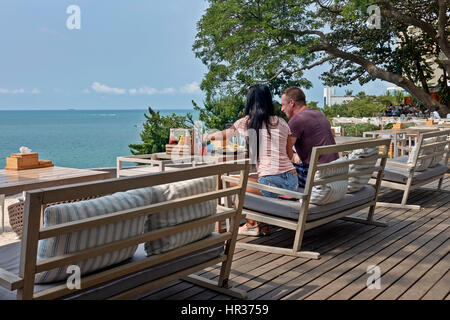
{"x": 273, "y": 158}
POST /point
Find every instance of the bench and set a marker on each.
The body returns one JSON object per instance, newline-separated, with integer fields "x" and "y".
{"x": 332, "y": 191}
{"x": 426, "y": 162}
{"x": 140, "y": 234}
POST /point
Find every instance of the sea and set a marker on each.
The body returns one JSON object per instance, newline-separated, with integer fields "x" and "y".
{"x": 75, "y": 138}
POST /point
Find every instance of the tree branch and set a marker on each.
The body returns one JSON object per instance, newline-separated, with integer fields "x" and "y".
{"x": 315, "y": 64}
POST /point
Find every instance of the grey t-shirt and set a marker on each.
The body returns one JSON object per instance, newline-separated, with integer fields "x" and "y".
{"x": 312, "y": 129}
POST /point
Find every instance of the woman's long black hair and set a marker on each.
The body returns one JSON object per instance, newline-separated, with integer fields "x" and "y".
{"x": 259, "y": 108}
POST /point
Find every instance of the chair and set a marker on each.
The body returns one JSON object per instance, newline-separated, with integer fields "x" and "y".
{"x": 142, "y": 233}
{"x": 426, "y": 162}
{"x": 333, "y": 191}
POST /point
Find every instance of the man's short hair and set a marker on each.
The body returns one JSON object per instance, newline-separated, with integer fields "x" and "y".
{"x": 296, "y": 94}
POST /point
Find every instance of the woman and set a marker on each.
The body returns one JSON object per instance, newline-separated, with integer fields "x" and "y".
{"x": 273, "y": 152}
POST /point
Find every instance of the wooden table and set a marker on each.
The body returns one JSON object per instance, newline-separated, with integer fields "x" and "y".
{"x": 347, "y": 139}
{"x": 12, "y": 182}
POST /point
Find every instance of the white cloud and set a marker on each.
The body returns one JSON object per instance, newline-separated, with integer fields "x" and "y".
{"x": 191, "y": 88}
{"x": 86, "y": 91}
{"x": 102, "y": 88}
{"x": 18, "y": 91}
{"x": 168, "y": 90}
{"x": 150, "y": 91}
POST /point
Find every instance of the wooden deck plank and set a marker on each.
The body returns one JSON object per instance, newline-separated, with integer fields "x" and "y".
{"x": 411, "y": 251}
{"x": 440, "y": 290}
{"x": 416, "y": 272}
{"x": 315, "y": 269}
{"x": 357, "y": 226}
{"x": 432, "y": 276}
{"x": 356, "y": 269}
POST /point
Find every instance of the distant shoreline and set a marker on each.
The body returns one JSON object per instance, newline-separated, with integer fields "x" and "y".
{"x": 96, "y": 109}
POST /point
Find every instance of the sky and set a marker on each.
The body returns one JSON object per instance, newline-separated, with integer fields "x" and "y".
{"x": 122, "y": 55}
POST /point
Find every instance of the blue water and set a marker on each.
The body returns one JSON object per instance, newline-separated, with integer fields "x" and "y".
{"x": 73, "y": 138}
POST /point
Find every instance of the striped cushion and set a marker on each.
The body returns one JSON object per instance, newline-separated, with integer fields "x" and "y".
{"x": 357, "y": 183}
{"x": 331, "y": 191}
{"x": 176, "y": 216}
{"x": 437, "y": 158}
{"x": 76, "y": 241}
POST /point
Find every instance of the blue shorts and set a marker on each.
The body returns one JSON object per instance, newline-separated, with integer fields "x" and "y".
{"x": 302, "y": 173}
{"x": 286, "y": 180}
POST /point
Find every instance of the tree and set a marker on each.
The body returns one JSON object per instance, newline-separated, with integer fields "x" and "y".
{"x": 273, "y": 41}
{"x": 220, "y": 112}
{"x": 156, "y": 131}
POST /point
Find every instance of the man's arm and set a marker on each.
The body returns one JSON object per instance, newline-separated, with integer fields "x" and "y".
{"x": 290, "y": 143}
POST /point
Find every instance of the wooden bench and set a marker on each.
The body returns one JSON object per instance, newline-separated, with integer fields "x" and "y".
{"x": 301, "y": 215}
{"x": 410, "y": 172}
{"x": 138, "y": 275}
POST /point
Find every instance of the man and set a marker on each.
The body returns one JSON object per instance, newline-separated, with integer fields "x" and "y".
{"x": 435, "y": 114}
{"x": 310, "y": 128}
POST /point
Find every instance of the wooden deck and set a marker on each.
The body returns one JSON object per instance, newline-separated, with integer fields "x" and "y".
{"x": 412, "y": 254}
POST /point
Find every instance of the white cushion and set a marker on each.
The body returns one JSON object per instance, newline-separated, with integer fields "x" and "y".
{"x": 176, "y": 216}
{"x": 357, "y": 183}
{"x": 77, "y": 241}
{"x": 422, "y": 164}
{"x": 436, "y": 159}
{"x": 332, "y": 191}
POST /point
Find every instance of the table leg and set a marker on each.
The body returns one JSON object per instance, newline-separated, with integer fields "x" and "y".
{"x": 2, "y": 203}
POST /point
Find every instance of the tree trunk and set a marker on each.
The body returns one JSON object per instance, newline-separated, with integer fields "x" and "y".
{"x": 391, "y": 77}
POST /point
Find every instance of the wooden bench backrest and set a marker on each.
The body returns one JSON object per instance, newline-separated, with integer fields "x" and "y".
{"x": 424, "y": 147}
{"x": 37, "y": 199}
{"x": 311, "y": 181}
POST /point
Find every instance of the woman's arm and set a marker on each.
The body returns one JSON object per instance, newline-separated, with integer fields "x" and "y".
{"x": 290, "y": 143}
{"x": 223, "y": 135}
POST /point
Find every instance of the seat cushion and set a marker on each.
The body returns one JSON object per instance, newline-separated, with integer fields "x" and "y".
{"x": 173, "y": 217}
{"x": 400, "y": 175}
{"x": 332, "y": 191}
{"x": 10, "y": 257}
{"x": 77, "y": 241}
{"x": 291, "y": 209}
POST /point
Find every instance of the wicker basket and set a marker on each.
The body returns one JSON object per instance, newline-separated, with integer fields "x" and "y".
{"x": 15, "y": 212}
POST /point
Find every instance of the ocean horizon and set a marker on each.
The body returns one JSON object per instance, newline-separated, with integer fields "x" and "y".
{"x": 75, "y": 138}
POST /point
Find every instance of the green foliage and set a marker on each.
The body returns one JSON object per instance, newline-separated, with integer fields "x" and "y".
{"x": 362, "y": 106}
{"x": 243, "y": 42}
{"x": 156, "y": 131}
{"x": 357, "y": 130}
{"x": 219, "y": 112}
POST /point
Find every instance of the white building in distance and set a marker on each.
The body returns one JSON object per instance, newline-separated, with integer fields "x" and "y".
{"x": 330, "y": 99}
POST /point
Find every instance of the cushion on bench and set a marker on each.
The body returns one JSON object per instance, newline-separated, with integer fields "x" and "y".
{"x": 397, "y": 174}
{"x": 291, "y": 209}
{"x": 176, "y": 216}
{"x": 357, "y": 183}
{"x": 77, "y": 241}
{"x": 331, "y": 191}
{"x": 436, "y": 159}
{"x": 10, "y": 257}
{"x": 422, "y": 164}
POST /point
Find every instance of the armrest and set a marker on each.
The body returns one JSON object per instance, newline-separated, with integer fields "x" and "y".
{"x": 9, "y": 280}
{"x": 399, "y": 164}
{"x": 280, "y": 191}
